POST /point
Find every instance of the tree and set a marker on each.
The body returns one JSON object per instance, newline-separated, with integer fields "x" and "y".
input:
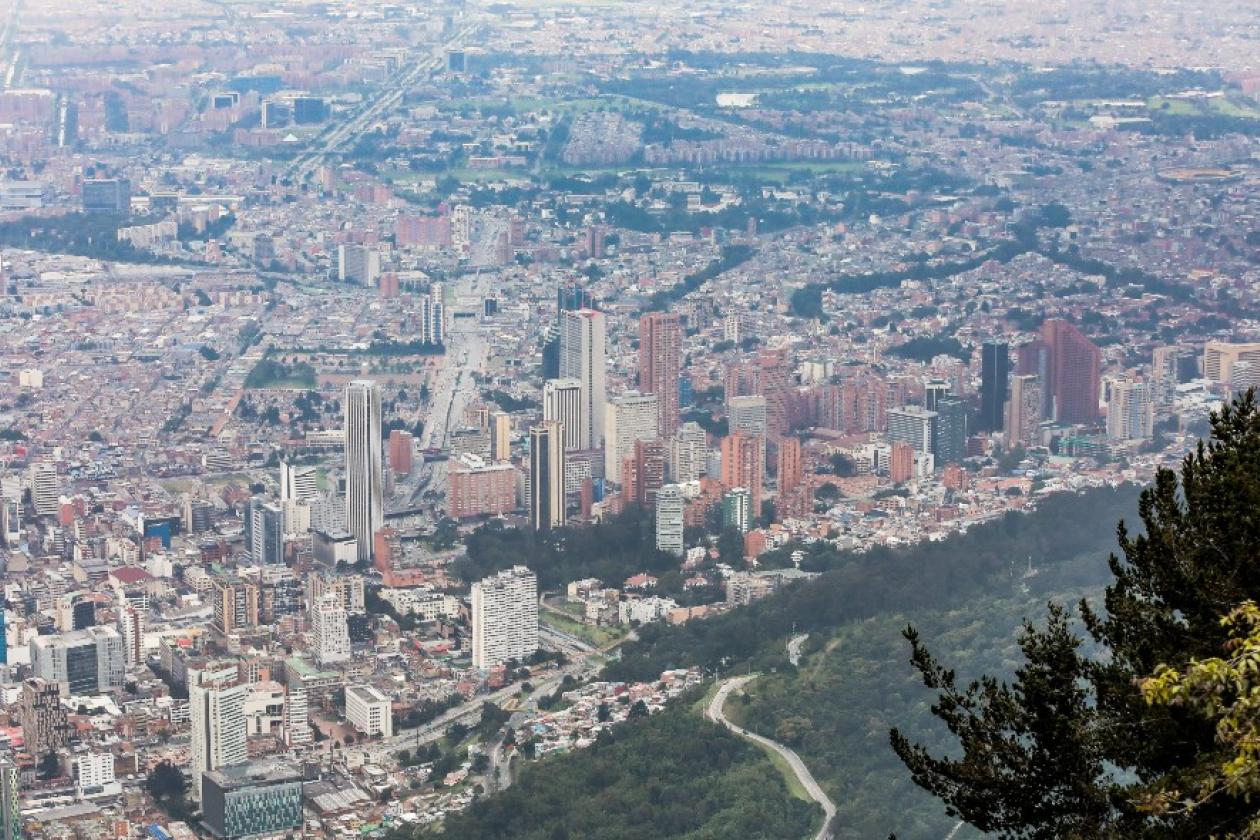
{"x": 49, "y": 765}
{"x": 1099, "y": 743}
{"x": 169, "y": 789}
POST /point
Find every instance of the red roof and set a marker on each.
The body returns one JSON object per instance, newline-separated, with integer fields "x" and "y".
{"x": 130, "y": 574}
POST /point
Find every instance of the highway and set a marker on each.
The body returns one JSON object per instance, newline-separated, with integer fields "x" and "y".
{"x": 717, "y": 713}
{"x": 389, "y": 97}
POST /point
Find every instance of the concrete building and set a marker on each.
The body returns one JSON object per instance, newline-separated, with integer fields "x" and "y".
{"x": 1130, "y": 410}
{"x": 330, "y": 631}
{"x": 369, "y": 711}
{"x": 688, "y": 453}
{"x": 631, "y": 417}
{"x": 358, "y": 264}
{"x": 90, "y": 661}
{"x": 365, "y": 507}
{"x": 669, "y": 519}
{"x": 583, "y": 357}
{"x": 563, "y": 403}
{"x": 1023, "y": 410}
{"x": 216, "y": 713}
{"x": 504, "y": 617}
{"x": 476, "y": 488}
{"x": 263, "y": 798}
{"x": 546, "y": 477}
{"x": 45, "y": 724}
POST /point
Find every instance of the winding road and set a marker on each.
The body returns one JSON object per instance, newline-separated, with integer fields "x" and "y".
{"x": 717, "y": 713}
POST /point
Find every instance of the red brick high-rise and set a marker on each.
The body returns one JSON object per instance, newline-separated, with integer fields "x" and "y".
{"x": 400, "y": 456}
{"x": 1073, "y": 375}
{"x": 649, "y": 469}
{"x": 744, "y": 464}
{"x": 660, "y": 366}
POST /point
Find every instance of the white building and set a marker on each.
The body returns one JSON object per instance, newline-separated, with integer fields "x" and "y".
{"x": 688, "y": 453}
{"x": 583, "y": 357}
{"x": 298, "y": 484}
{"x": 645, "y": 610}
{"x": 1130, "y": 409}
{"x": 94, "y": 775}
{"x": 216, "y": 715}
{"x": 89, "y": 661}
{"x": 297, "y": 726}
{"x": 369, "y": 711}
{"x": 365, "y": 510}
{"x": 45, "y": 489}
{"x": 669, "y": 519}
{"x": 630, "y": 417}
{"x": 358, "y": 264}
{"x": 747, "y": 414}
{"x": 504, "y": 617}
{"x": 330, "y": 631}
{"x": 563, "y": 404}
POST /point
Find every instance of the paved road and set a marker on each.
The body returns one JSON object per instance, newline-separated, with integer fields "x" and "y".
{"x": 716, "y": 712}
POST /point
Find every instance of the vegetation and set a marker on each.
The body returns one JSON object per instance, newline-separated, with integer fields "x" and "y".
{"x": 671, "y": 775}
{"x": 732, "y": 256}
{"x": 269, "y": 373}
{"x": 982, "y": 562}
{"x": 1137, "y": 734}
{"x": 612, "y": 551}
{"x": 92, "y": 235}
{"x": 169, "y": 789}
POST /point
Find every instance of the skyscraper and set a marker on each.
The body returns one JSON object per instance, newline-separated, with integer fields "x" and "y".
{"x": 10, "y": 801}
{"x": 688, "y": 451}
{"x": 264, "y": 532}
{"x": 500, "y": 436}
{"x": 669, "y": 519}
{"x": 660, "y": 366}
{"x": 1023, "y": 410}
{"x": 914, "y": 425}
{"x": 995, "y": 364}
{"x": 45, "y": 724}
{"x": 582, "y": 357}
{"x": 504, "y": 617}
{"x": 298, "y": 484}
{"x": 737, "y": 509}
{"x": 563, "y": 404}
{"x": 744, "y": 464}
{"x": 630, "y": 417}
{"x": 330, "y": 631}
{"x": 365, "y": 511}
{"x": 216, "y": 713}
{"x": 1074, "y": 373}
{"x": 546, "y": 477}
{"x": 951, "y": 430}
{"x": 1130, "y": 410}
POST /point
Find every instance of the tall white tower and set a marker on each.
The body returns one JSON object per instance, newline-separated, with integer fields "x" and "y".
{"x": 563, "y": 404}
{"x": 504, "y": 617}
{"x": 582, "y": 357}
{"x": 330, "y": 631}
{"x": 216, "y": 710}
{"x": 365, "y": 511}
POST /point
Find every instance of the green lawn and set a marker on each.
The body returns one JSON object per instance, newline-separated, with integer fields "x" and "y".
{"x": 597, "y": 636}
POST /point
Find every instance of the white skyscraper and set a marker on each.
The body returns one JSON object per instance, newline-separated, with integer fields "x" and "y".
{"x": 669, "y": 519}
{"x": 562, "y": 403}
{"x": 365, "y": 511}
{"x": 297, "y": 726}
{"x": 688, "y": 453}
{"x": 582, "y": 357}
{"x": 216, "y": 712}
{"x": 45, "y": 489}
{"x": 630, "y": 417}
{"x": 433, "y": 317}
{"x": 1130, "y": 413}
{"x": 330, "y": 632}
{"x": 747, "y": 414}
{"x": 298, "y": 484}
{"x": 504, "y": 617}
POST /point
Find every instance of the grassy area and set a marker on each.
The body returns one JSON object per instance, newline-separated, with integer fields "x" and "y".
{"x": 598, "y": 636}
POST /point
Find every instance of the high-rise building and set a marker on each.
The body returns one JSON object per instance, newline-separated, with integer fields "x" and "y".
{"x": 737, "y": 507}
{"x": 45, "y": 724}
{"x": 369, "y": 711}
{"x": 236, "y": 605}
{"x": 45, "y": 489}
{"x": 297, "y": 723}
{"x": 297, "y": 483}
{"x": 630, "y": 417}
{"x": 669, "y": 519}
{"x": 546, "y": 477}
{"x": 1074, "y": 373}
{"x": 504, "y": 617}
{"x": 261, "y": 798}
{"x": 4, "y": 639}
{"x": 649, "y": 472}
{"x": 10, "y": 800}
{"x": 500, "y": 436}
{"x": 365, "y": 509}
{"x": 747, "y": 414}
{"x": 264, "y": 532}
{"x": 358, "y": 264}
{"x": 744, "y": 464}
{"x": 1130, "y": 410}
{"x": 563, "y": 404}
{"x": 1023, "y": 410}
{"x": 688, "y": 452}
{"x": 914, "y": 425}
{"x": 433, "y": 318}
{"x": 790, "y": 467}
{"x": 90, "y": 661}
{"x": 330, "y": 631}
{"x": 660, "y": 366}
{"x": 1166, "y": 373}
{"x": 400, "y": 452}
{"x": 475, "y": 488}
{"x": 216, "y": 713}
{"x": 582, "y": 357}
{"x": 995, "y": 364}
{"x": 951, "y": 430}
{"x": 1219, "y": 358}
